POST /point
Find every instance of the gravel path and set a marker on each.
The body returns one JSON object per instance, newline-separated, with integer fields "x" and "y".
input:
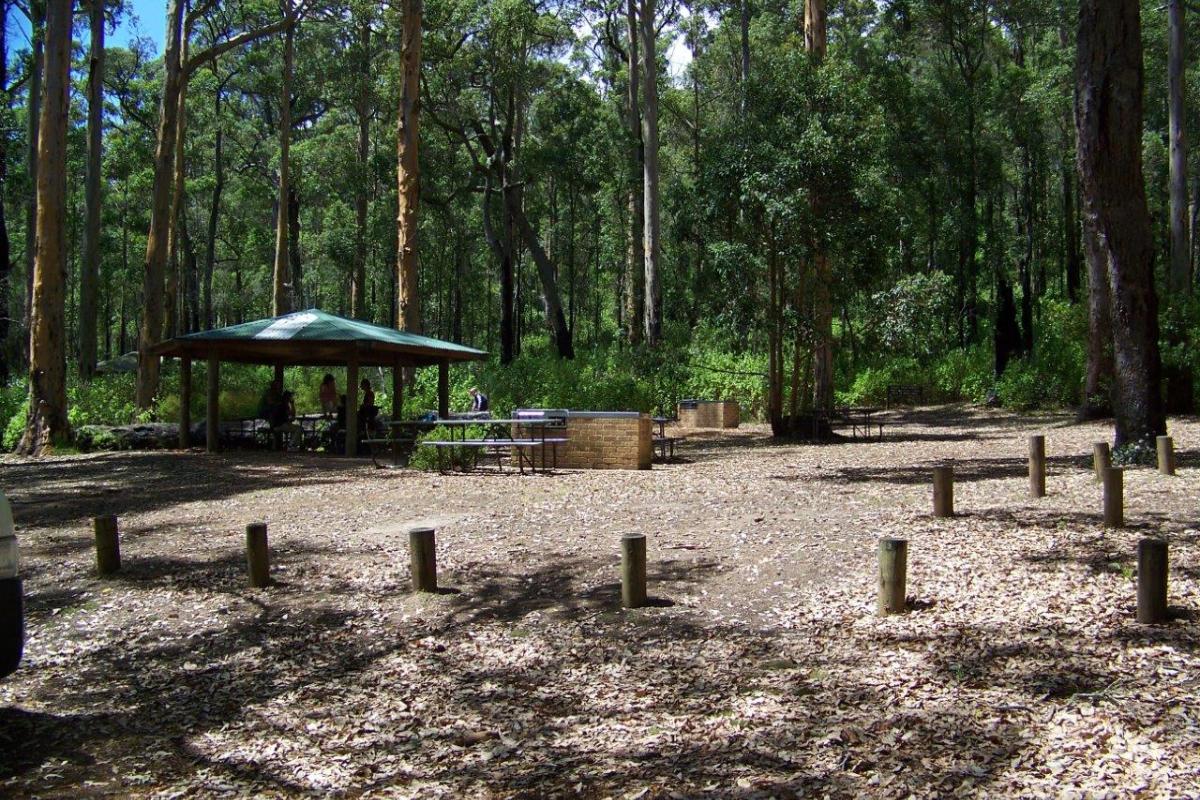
{"x": 760, "y": 669}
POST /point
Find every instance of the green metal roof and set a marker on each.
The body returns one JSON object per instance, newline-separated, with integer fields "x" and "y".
{"x": 317, "y": 338}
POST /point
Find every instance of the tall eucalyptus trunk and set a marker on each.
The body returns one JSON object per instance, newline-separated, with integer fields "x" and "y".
{"x": 651, "y": 234}
{"x": 46, "y": 424}
{"x": 1110, "y": 83}
{"x": 281, "y": 278}
{"x": 1181, "y": 268}
{"x": 90, "y": 274}
{"x": 408, "y": 173}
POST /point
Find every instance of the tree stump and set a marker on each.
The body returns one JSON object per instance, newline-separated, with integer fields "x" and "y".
{"x": 893, "y": 576}
{"x": 1152, "y": 581}
{"x": 258, "y": 564}
{"x": 943, "y": 491}
{"x": 422, "y": 549}
{"x": 1114, "y": 497}
{"x": 108, "y": 545}
{"x": 1166, "y": 455}
{"x": 633, "y": 570}
{"x": 1037, "y": 466}
{"x": 1101, "y": 459}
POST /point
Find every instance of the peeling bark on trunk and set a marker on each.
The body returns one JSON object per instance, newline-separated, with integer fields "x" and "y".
{"x": 37, "y": 66}
{"x": 651, "y": 233}
{"x": 1110, "y": 81}
{"x": 90, "y": 274}
{"x": 408, "y": 302}
{"x": 46, "y": 423}
{"x": 636, "y": 256}
{"x": 5, "y": 246}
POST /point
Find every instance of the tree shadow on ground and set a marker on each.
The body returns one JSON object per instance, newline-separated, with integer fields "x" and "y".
{"x": 71, "y": 491}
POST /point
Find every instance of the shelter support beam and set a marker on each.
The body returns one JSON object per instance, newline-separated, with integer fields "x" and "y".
{"x": 213, "y": 410}
{"x": 185, "y": 403}
{"x": 444, "y": 389}
{"x": 352, "y": 408}
{"x": 397, "y": 392}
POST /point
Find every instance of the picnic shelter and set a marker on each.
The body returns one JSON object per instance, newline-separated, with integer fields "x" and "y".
{"x": 311, "y": 338}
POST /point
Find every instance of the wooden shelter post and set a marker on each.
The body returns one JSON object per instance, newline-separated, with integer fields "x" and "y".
{"x": 185, "y": 403}
{"x": 397, "y": 391}
{"x": 352, "y": 406}
{"x": 443, "y": 389}
{"x": 279, "y": 373}
{"x": 213, "y": 410}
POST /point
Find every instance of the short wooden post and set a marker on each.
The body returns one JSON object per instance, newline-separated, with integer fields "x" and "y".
{"x": 943, "y": 491}
{"x": 185, "y": 403}
{"x": 633, "y": 570}
{"x": 213, "y": 410}
{"x": 352, "y": 408}
{"x": 108, "y": 545}
{"x": 1152, "y": 581}
{"x": 893, "y": 576}
{"x": 1101, "y": 459}
{"x": 1166, "y": 455}
{"x": 1114, "y": 497}
{"x": 258, "y": 563}
{"x": 1037, "y": 466}
{"x": 422, "y": 549}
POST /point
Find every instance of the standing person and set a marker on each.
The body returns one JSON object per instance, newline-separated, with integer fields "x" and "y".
{"x": 479, "y": 401}
{"x": 328, "y": 396}
{"x": 368, "y": 411}
{"x": 268, "y": 406}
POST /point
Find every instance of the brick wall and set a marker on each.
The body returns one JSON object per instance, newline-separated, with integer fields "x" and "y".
{"x": 711, "y": 414}
{"x": 606, "y": 442}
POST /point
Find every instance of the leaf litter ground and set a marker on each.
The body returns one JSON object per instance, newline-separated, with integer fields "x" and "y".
{"x": 758, "y": 671}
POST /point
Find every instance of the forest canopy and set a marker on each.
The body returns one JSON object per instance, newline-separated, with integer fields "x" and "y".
{"x": 793, "y": 204}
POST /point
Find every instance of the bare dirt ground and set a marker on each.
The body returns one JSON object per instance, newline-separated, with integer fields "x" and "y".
{"x": 760, "y": 669}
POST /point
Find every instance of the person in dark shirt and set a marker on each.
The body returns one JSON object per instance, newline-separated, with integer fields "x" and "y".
{"x": 479, "y": 401}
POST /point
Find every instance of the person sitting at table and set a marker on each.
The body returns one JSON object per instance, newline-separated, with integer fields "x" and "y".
{"x": 368, "y": 412}
{"x": 268, "y": 406}
{"x": 283, "y": 420}
{"x": 328, "y": 396}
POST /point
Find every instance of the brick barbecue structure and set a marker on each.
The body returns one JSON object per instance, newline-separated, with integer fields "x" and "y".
{"x": 709, "y": 414}
{"x": 601, "y": 439}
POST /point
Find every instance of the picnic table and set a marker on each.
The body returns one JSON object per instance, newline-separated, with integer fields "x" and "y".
{"x": 498, "y": 440}
{"x": 860, "y": 419}
{"x": 661, "y": 442}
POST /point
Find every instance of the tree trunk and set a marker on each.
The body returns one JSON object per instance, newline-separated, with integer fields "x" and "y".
{"x": 281, "y": 278}
{"x": 47, "y": 423}
{"x": 179, "y": 171}
{"x": 635, "y": 298}
{"x": 37, "y": 67}
{"x": 651, "y": 233}
{"x": 815, "y": 42}
{"x": 1181, "y": 272}
{"x": 1098, "y": 379}
{"x": 214, "y": 215}
{"x": 5, "y": 254}
{"x": 408, "y": 306}
{"x": 546, "y": 271}
{"x": 362, "y": 110}
{"x": 1110, "y": 80}
{"x": 160, "y": 211}
{"x": 296, "y": 268}
{"x": 90, "y": 275}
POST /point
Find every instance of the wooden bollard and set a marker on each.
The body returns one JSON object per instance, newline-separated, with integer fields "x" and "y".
{"x": 1152, "y": 581}
{"x": 893, "y": 576}
{"x": 108, "y": 545}
{"x": 1166, "y": 455}
{"x": 1037, "y": 466}
{"x": 1101, "y": 459}
{"x": 633, "y": 570}
{"x": 422, "y": 549}
{"x": 258, "y": 559}
{"x": 1114, "y": 497}
{"x": 943, "y": 491}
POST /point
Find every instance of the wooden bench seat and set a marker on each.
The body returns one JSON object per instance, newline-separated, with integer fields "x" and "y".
{"x": 666, "y": 445}
{"x": 492, "y": 447}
